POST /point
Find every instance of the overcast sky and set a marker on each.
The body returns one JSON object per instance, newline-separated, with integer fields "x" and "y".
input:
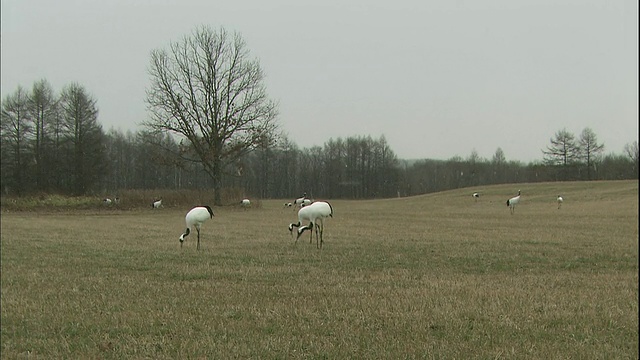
{"x": 436, "y": 78}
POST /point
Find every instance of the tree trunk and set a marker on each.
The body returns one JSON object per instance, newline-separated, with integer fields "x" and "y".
{"x": 217, "y": 181}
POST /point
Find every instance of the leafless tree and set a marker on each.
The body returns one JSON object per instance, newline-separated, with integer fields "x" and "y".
{"x": 633, "y": 153}
{"x": 84, "y": 136}
{"x": 207, "y": 89}
{"x": 14, "y": 132}
{"x": 563, "y": 149}
{"x": 42, "y": 109}
{"x": 589, "y": 149}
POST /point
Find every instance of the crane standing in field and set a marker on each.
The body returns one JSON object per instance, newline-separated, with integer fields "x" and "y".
{"x": 195, "y": 217}
{"x": 560, "y": 200}
{"x": 245, "y": 203}
{"x": 511, "y": 203}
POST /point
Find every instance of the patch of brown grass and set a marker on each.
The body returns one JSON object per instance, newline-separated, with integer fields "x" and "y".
{"x": 435, "y": 276}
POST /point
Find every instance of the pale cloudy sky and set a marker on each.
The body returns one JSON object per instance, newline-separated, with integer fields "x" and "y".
{"x": 436, "y": 78}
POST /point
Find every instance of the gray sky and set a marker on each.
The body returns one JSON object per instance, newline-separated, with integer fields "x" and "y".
{"x": 436, "y": 78}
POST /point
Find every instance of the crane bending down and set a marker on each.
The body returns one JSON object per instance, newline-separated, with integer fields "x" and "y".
{"x": 511, "y": 203}
{"x": 195, "y": 217}
{"x": 315, "y": 213}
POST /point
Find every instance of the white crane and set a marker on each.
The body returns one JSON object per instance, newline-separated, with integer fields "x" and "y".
{"x": 245, "y": 203}
{"x": 315, "y": 214}
{"x": 156, "y": 204}
{"x": 511, "y": 203}
{"x": 298, "y": 203}
{"x": 106, "y": 201}
{"x": 195, "y": 217}
{"x": 560, "y": 200}
{"x": 476, "y": 195}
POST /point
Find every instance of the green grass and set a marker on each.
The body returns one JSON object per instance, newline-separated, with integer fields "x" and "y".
{"x": 437, "y": 276}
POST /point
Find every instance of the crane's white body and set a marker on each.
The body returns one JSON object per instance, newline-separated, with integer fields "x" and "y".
{"x": 157, "y": 204}
{"x": 476, "y": 195}
{"x": 107, "y": 201}
{"x": 195, "y": 217}
{"x": 245, "y": 203}
{"x": 511, "y": 203}
{"x": 315, "y": 213}
{"x": 560, "y": 200}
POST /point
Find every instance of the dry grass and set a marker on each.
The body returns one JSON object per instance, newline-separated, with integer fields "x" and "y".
{"x": 434, "y": 276}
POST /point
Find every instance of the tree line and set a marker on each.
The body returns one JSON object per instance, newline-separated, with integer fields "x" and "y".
{"x": 55, "y": 144}
{"x": 51, "y": 142}
{"x": 211, "y": 125}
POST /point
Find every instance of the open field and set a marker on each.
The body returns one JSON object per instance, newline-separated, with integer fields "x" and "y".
{"x": 438, "y": 276}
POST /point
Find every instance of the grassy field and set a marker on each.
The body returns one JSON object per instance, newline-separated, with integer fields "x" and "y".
{"x": 438, "y": 276}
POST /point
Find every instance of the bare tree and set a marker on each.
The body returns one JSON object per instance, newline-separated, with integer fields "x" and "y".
{"x": 498, "y": 165}
{"x": 498, "y": 157}
{"x": 14, "y": 132}
{"x": 563, "y": 149}
{"x": 208, "y": 90}
{"x": 633, "y": 153}
{"x": 589, "y": 149}
{"x": 85, "y": 136}
{"x": 42, "y": 109}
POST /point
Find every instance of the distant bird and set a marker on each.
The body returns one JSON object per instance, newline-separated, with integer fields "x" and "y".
{"x": 116, "y": 200}
{"x": 511, "y": 203}
{"x": 288, "y": 204}
{"x": 560, "y": 200}
{"x": 157, "y": 204}
{"x": 297, "y": 203}
{"x": 476, "y": 195}
{"x": 195, "y": 217}
{"x": 306, "y": 202}
{"x": 245, "y": 203}
{"x": 315, "y": 214}
{"x": 106, "y": 201}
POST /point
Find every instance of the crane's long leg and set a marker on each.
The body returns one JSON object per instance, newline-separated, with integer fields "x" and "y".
{"x": 198, "y": 228}
{"x": 319, "y": 229}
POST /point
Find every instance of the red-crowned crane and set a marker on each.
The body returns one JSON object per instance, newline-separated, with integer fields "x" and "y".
{"x": 195, "y": 217}
{"x": 301, "y": 201}
{"x": 560, "y": 200}
{"x": 511, "y": 203}
{"x": 315, "y": 214}
{"x": 156, "y": 204}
